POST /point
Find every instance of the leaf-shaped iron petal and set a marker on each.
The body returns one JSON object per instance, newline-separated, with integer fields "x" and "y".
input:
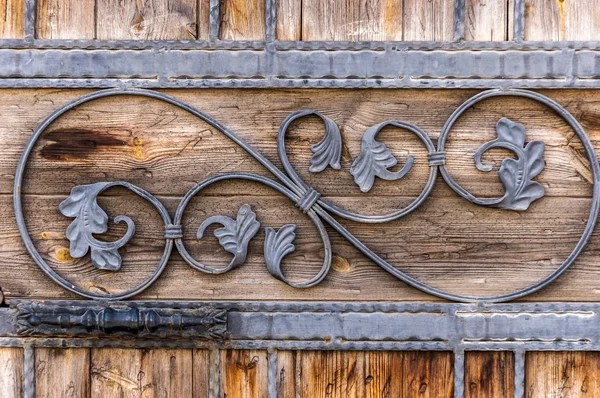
{"x": 374, "y": 160}
{"x": 327, "y": 151}
{"x": 516, "y": 174}
{"x": 235, "y": 234}
{"x": 91, "y": 219}
{"x": 278, "y": 244}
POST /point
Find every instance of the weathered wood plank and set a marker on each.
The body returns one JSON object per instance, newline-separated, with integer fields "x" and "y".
{"x": 66, "y": 19}
{"x": 332, "y": 374}
{"x": 286, "y": 373}
{"x": 489, "y": 374}
{"x": 428, "y": 374}
{"x": 201, "y": 373}
{"x": 12, "y": 19}
{"x": 243, "y": 373}
{"x": 242, "y": 20}
{"x": 141, "y": 373}
{"x": 562, "y": 20}
{"x": 62, "y": 372}
{"x": 448, "y": 242}
{"x": 289, "y": 20}
{"x": 147, "y": 20}
{"x": 486, "y": 20}
{"x": 429, "y": 20}
{"x": 384, "y": 374}
{"x": 352, "y": 20}
{"x": 203, "y": 19}
{"x": 562, "y": 374}
{"x": 11, "y": 372}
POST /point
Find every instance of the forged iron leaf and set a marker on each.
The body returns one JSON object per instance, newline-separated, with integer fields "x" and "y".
{"x": 278, "y": 244}
{"x": 328, "y": 151}
{"x": 510, "y": 131}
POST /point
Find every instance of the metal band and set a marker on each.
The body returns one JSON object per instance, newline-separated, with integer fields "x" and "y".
{"x": 173, "y": 232}
{"x": 436, "y": 158}
{"x": 308, "y": 199}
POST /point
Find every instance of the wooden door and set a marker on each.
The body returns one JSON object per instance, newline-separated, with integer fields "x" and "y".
{"x": 310, "y": 216}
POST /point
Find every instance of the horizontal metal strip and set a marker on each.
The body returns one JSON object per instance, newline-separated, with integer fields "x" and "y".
{"x": 399, "y": 326}
{"x": 255, "y": 68}
{"x": 295, "y": 45}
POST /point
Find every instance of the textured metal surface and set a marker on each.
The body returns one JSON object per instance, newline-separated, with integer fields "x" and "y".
{"x": 517, "y": 176}
{"x": 28, "y": 370}
{"x": 121, "y": 320}
{"x": 459, "y": 20}
{"x": 383, "y": 65}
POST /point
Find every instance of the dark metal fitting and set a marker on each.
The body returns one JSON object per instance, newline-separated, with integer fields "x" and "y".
{"x": 436, "y": 158}
{"x": 173, "y": 232}
{"x": 307, "y": 200}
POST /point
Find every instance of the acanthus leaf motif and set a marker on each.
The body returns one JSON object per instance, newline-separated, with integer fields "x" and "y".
{"x": 91, "y": 219}
{"x": 328, "y": 151}
{"x": 235, "y": 235}
{"x": 516, "y": 174}
{"x": 375, "y": 159}
{"x": 278, "y": 244}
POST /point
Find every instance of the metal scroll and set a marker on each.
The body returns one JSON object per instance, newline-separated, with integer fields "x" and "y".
{"x": 518, "y": 176}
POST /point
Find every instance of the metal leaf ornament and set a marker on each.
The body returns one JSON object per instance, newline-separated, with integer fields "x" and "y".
{"x": 516, "y": 174}
{"x": 91, "y": 219}
{"x": 235, "y": 235}
{"x": 374, "y": 160}
{"x": 328, "y": 151}
{"x": 278, "y": 244}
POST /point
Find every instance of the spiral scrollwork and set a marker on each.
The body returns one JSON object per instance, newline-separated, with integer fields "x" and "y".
{"x": 517, "y": 175}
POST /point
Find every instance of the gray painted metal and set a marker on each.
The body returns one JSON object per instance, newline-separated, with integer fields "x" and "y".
{"x": 375, "y": 156}
{"x": 390, "y": 66}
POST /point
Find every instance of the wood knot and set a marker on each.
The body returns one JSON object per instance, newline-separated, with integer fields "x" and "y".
{"x": 63, "y": 254}
{"x": 340, "y": 264}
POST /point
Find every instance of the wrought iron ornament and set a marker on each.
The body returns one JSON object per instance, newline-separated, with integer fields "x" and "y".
{"x": 517, "y": 175}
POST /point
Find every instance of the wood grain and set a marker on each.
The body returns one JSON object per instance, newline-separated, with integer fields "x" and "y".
{"x": 12, "y": 19}
{"x": 562, "y": 374}
{"x": 244, "y": 373}
{"x": 201, "y": 375}
{"x": 242, "y": 20}
{"x": 486, "y": 20}
{"x": 11, "y": 372}
{"x": 66, "y": 19}
{"x": 489, "y": 374}
{"x": 289, "y": 20}
{"x": 147, "y": 20}
{"x": 428, "y": 374}
{"x": 62, "y": 372}
{"x": 352, "y": 20}
{"x": 447, "y": 242}
{"x": 374, "y": 374}
{"x": 286, "y": 373}
{"x": 428, "y": 20}
{"x": 141, "y": 373}
{"x": 562, "y": 20}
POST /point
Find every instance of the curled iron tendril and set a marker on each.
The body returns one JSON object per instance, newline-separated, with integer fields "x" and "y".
{"x": 374, "y": 160}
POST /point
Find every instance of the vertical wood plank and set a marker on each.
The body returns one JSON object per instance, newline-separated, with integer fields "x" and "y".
{"x": 428, "y": 20}
{"x": 562, "y": 374}
{"x": 352, "y": 20}
{"x": 66, "y": 19}
{"x": 289, "y": 20}
{"x": 428, "y": 374}
{"x": 62, "y": 372}
{"x": 203, "y": 19}
{"x": 242, "y": 20}
{"x": 12, "y": 19}
{"x": 286, "y": 374}
{"x": 147, "y": 19}
{"x": 562, "y": 20}
{"x": 332, "y": 374}
{"x": 383, "y": 374}
{"x": 243, "y": 373}
{"x": 489, "y": 374}
{"x": 11, "y": 372}
{"x": 116, "y": 373}
{"x": 486, "y": 20}
{"x": 141, "y": 373}
{"x": 201, "y": 369}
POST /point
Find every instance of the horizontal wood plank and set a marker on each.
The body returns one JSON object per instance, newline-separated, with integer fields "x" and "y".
{"x": 448, "y": 242}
